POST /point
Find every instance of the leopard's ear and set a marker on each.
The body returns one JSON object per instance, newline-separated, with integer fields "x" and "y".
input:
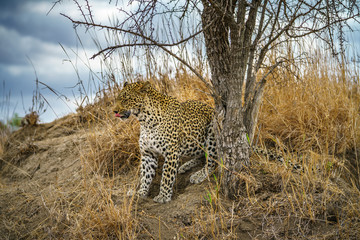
{"x": 125, "y": 83}
{"x": 145, "y": 86}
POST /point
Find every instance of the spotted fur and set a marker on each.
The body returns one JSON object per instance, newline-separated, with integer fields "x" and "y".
{"x": 172, "y": 129}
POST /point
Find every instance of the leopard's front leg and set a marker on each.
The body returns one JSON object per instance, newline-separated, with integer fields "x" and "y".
{"x": 147, "y": 172}
{"x": 168, "y": 175}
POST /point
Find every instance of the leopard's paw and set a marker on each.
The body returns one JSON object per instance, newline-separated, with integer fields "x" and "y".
{"x": 161, "y": 199}
{"x": 198, "y": 177}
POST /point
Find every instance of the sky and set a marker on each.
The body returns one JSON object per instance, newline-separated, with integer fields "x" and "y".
{"x": 38, "y": 44}
{"x": 33, "y": 45}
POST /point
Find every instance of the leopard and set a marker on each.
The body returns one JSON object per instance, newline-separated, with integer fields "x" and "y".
{"x": 172, "y": 129}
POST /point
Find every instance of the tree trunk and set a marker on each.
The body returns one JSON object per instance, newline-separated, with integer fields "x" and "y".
{"x": 227, "y": 77}
{"x": 233, "y": 146}
{"x": 252, "y": 112}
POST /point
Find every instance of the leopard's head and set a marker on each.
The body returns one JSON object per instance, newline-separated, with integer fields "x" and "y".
{"x": 130, "y": 99}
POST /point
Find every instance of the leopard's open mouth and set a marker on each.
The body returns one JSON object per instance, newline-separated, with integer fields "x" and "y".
{"x": 125, "y": 114}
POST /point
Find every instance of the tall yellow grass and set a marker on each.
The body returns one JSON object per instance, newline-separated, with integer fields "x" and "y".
{"x": 314, "y": 108}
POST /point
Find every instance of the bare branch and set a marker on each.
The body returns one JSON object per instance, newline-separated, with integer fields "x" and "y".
{"x": 151, "y": 42}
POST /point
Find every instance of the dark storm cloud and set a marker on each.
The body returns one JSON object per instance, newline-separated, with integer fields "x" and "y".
{"x": 27, "y": 34}
{"x": 11, "y": 4}
{"x": 47, "y": 28}
{"x": 15, "y": 47}
{"x": 16, "y": 79}
{"x": 24, "y": 31}
{"x": 9, "y": 47}
{"x": 18, "y": 16}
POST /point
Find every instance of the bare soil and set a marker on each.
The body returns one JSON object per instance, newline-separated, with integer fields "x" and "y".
{"x": 36, "y": 158}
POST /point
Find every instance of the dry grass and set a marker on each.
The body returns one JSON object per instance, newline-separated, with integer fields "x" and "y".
{"x": 317, "y": 110}
{"x": 113, "y": 147}
{"x": 86, "y": 210}
{"x": 4, "y": 133}
{"x": 314, "y": 117}
{"x": 183, "y": 86}
{"x": 281, "y": 204}
{"x": 95, "y": 205}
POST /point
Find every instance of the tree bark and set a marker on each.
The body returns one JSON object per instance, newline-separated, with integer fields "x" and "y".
{"x": 233, "y": 146}
{"x": 227, "y": 77}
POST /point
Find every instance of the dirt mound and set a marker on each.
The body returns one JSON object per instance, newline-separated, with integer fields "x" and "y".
{"x": 35, "y": 158}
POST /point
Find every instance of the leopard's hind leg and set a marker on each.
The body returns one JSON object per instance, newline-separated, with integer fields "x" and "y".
{"x": 211, "y": 156}
{"x": 189, "y": 165}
